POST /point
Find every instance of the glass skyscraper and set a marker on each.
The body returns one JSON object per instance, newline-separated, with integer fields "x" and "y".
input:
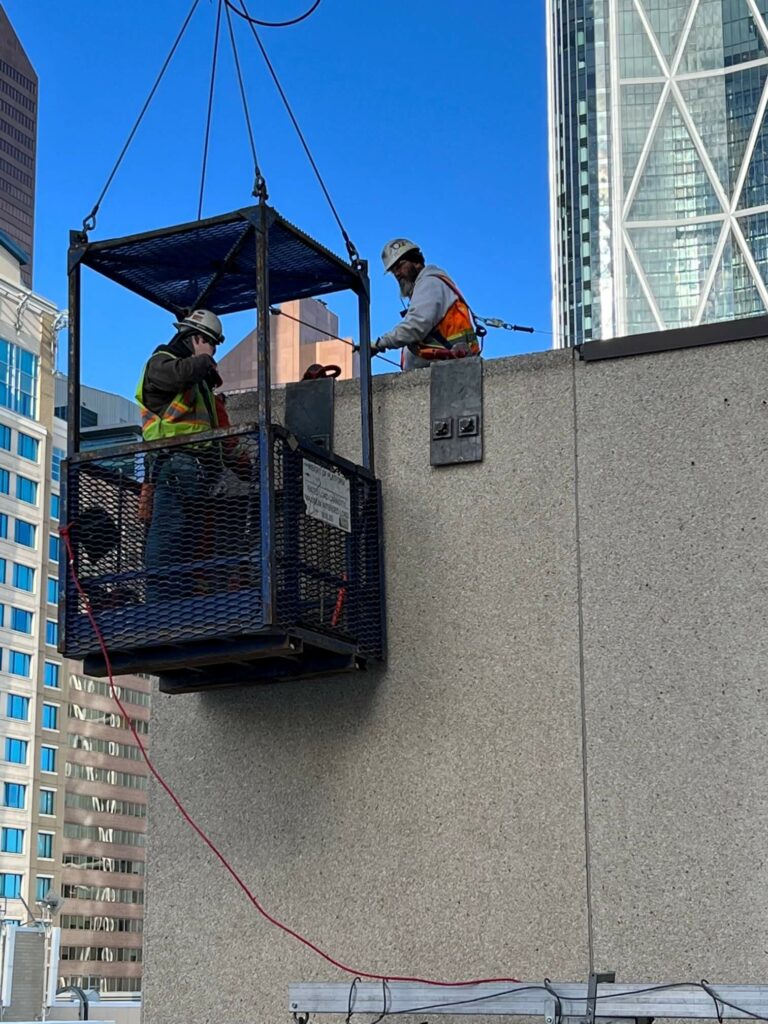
{"x": 658, "y": 164}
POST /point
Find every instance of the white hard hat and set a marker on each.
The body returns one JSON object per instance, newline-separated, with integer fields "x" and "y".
{"x": 202, "y": 321}
{"x": 395, "y": 250}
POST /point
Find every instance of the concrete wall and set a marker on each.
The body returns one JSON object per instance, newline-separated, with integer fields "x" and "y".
{"x": 580, "y": 617}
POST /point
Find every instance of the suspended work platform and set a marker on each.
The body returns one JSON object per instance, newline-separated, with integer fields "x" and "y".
{"x": 265, "y": 563}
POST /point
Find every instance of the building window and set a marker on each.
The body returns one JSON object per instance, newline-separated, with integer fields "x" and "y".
{"x": 53, "y": 590}
{"x": 2, "y": 570}
{"x": 5, "y": 437}
{"x": 14, "y": 795}
{"x": 21, "y": 620}
{"x": 51, "y": 674}
{"x": 20, "y": 664}
{"x": 51, "y": 632}
{"x": 18, "y": 379}
{"x": 24, "y": 533}
{"x": 50, "y": 716}
{"x": 12, "y": 840}
{"x": 10, "y": 886}
{"x": 56, "y": 459}
{"x": 5, "y": 481}
{"x": 27, "y": 447}
{"x": 48, "y": 801}
{"x": 45, "y": 845}
{"x": 53, "y": 547}
{"x": 55, "y": 506}
{"x": 17, "y": 707}
{"x": 23, "y": 577}
{"x": 3, "y": 526}
{"x": 15, "y": 750}
{"x": 47, "y": 759}
{"x": 26, "y": 489}
{"x": 42, "y": 887}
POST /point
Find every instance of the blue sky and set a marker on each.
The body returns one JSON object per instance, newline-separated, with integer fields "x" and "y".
{"x": 427, "y": 120}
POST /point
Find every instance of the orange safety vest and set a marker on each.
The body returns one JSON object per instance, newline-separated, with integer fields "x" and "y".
{"x": 457, "y": 328}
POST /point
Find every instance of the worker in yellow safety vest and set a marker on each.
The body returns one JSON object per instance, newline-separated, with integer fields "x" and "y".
{"x": 175, "y": 393}
{"x": 438, "y": 323}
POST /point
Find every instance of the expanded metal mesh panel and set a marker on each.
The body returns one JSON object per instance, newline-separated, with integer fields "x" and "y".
{"x": 168, "y": 547}
{"x": 329, "y": 576}
{"x": 216, "y": 259}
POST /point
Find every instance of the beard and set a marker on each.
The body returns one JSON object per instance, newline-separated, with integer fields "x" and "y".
{"x": 406, "y": 286}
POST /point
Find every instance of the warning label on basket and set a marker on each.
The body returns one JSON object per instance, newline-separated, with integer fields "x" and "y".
{"x": 326, "y": 495}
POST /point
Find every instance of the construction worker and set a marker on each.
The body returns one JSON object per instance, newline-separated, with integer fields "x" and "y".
{"x": 176, "y": 397}
{"x": 438, "y": 323}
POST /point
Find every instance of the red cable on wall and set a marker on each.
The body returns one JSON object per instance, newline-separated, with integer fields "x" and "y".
{"x": 209, "y": 842}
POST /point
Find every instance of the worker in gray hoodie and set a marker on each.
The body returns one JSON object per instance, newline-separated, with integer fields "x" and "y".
{"x": 438, "y": 323}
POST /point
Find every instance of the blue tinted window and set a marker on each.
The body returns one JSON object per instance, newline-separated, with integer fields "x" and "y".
{"x": 18, "y": 379}
{"x": 10, "y": 885}
{"x": 21, "y": 620}
{"x": 50, "y": 716}
{"x": 19, "y": 664}
{"x": 56, "y": 459}
{"x": 3, "y": 526}
{"x": 12, "y": 840}
{"x": 53, "y": 547}
{"x": 2, "y": 570}
{"x": 51, "y": 632}
{"x": 26, "y": 489}
{"x": 15, "y": 750}
{"x": 51, "y": 674}
{"x": 5, "y": 481}
{"x": 23, "y": 577}
{"x": 53, "y": 590}
{"x": 42, "y": 887}
{"x": 45, "y": 844}
{"x": 24, "y": 533}
{"x": 14, "y": 795}
{"x": 5, "y": 437}
{"x": 47, "y": 801}
{"x": 27, "y": 447}
{"x": 17, "y": 707}
{"x": 55, "y": 506}
{"x": 47, "y": 759}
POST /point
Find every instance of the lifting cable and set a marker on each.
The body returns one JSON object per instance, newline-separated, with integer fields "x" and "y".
{"x": 260, "y": 185}
{"x": 273, "y": 24}
{"x": 90, "y": 221}
{"x": 209, "y": 115}
{"x": 354, "y": 255}
{"x": 86, "y": 604}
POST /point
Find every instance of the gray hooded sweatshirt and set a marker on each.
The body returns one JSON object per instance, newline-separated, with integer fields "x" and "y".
{"x": 430, "y": 301}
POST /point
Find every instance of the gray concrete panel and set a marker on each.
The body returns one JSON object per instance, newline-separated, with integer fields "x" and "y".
{"x": 424, "y": 817}
{"x": 672, "y": 455}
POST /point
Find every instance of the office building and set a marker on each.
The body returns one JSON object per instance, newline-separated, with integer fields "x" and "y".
{"x": 303, "y": 333}
{"x": 658, "y": 164}
{"x": 18, "y": 144}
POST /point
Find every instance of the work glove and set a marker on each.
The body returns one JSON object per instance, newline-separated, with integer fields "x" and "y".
{"x": 376, "y": 348}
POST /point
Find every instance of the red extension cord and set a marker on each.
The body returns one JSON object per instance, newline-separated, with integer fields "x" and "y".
{"x": 64, "y": 531}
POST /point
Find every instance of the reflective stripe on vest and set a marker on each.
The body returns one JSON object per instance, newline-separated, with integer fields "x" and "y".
{"x": 186, "y": 413}
{"x": 456, "y": 327}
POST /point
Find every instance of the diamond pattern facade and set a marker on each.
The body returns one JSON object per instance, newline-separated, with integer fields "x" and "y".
{"x": 658, "y": 163}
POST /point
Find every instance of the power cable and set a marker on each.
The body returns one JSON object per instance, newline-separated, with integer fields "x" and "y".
{"x": 273, "y": 24}
{"x": 209, "y": 117}
{"x": 281, "y": 312}
{"x": 260, "y": 185}
{"x": 90, "y": 221}
{"x": 86, "y": 604}
{"x": 354, "y": 255}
